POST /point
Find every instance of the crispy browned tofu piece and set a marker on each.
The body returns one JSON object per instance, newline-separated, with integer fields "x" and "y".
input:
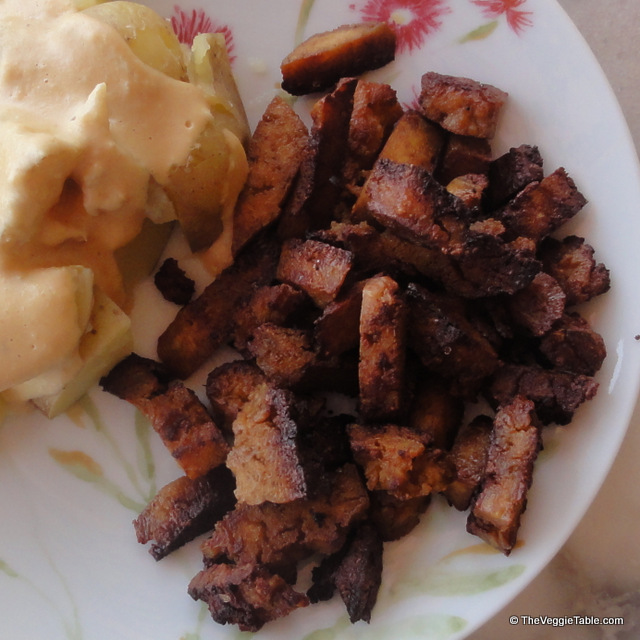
{"x": 173, "y": 283}
{"x": 185, "y": 509}
{"x": 512, "y": 172}
{"x": 469, "y": 456}
{"x": 205, "y": 324}
{"x": 463, "y": 155}
{"x": 279, "y": 535}
{"x": 381, "y": 369}
{"x": 228, "y": 388}
{"x": 409, "y": 201}
{"x": 572, "y": 345}
{"x": 556, "y": 394}
{"x": 283, "y": 354}
{"x": 277, "y": 304}
{"x": 497, "y": 510}
{"x": 175, "y": 412}
{"x": 542, "y": 207}
{"x": 571, "y": 262}
{"x": 266, "y": 458}
{"x": 375, "y": 111}
{"x": 539, "y": 305}
{"x": 461, "y": 105}
{"x": 356, "y": 573}
{"x": 318, "y": 187}
{"x": 246, "y": 595}
{"x": 447, "y": 343}
{"x": 338, "y": 328}
{"x": 275, "y": 152}
{"x": 398, "y": 460}
{"x": 394, "y": 518}
{"x": 319, "y": 269}
{"x": 435, "y": 411}
{"x": 350, "y": 50}
{"x": 470, "y": 188}
{"x": 415, "y": 140}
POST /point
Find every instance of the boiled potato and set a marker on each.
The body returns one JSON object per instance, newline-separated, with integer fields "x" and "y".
{"x": 148, "y": 35}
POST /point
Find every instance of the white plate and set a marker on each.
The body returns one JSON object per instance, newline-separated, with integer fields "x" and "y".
{"x": 70, "y": 567}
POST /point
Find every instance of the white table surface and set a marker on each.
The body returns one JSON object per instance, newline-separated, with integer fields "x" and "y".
{"x": 597, "y": 572}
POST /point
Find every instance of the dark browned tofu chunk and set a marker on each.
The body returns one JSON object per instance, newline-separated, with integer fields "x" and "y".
{"x": 175, "y": 412}
{"x": 185, "y": 509}
{"x": 284, "y": 355}
{"x": 228, "y": 388}
{"x": 572, "y": 345}
{"x": 277, "y": 304}
{"x": 539, "y": 305}
{"x": 409, "y": 201}
{"x": 447, "y": 343}
{"x": 394, "y": 518}
{"x": 512, "y": 172}
{"x": 515, "y": 442}
{"x": 469, "y": 456}
{"x": 279, "y": 535}
{"x": 464, "y": 155}
{"x": 571, "y": 262}
{"x": 375, "y": 111}
{"x": 205, "y": 324}
{"x": 461, "y": 105}
{"x": 317, "y": 268}
{"x": 275, "y": 152}
{"x": 350, "y": 50}
{"x": 542, "y": 207}
{"x": 381, "y": 369}
{"x": 556, "y": 394}
{"x": 356, "y": 572}
{"x": 399, "y": 461}
{"x": 246, "y": 595}
{"x": 415, "y": 140}
{"x": 470, "y": 188}
{"x": 318, "y": 188}
{"x": 266, "y": 458}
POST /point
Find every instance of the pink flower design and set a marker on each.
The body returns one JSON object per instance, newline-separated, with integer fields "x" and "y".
{"x": 412, "y": 20}
{"x": 188, "y": 25}
{"x": 517, "y": 19}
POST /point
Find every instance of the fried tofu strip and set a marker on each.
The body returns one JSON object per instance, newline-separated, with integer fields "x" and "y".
{"x": 355, "y": 571}
{"x": 206, "y": 323}
{"x": 350, "y": 50}
{"x": 469, "y": 456}
{"x": 409, "y": 201}
{"x": 317, "y": 268}
{"x": 571, "y": 262}
{"x": 266, "y": 458}
{"x": 556, "y": 394}
{"x": 375, "y": 112}
{"x": 539, "y": 305}
{"x": 246, "y": 595}
{"x": 542, "y": 207}
{"x": 572, "y": 345}
{"x": 318, "y": 187}
{"x": 463, "y": 155}
{"x": 228, "y": 388}
{"x": 381, "y": 368}
{"x": 394, "y": 518}
{"x": 415, "y": 140}
{"x": 185, "y": 509}
{"x": 175, "y": 412}
{"x": 446, "y": 342}
{"x": 515, "y": 442}
{"x": 398, "y": 460}
{"x": 470, "y": 188}
{"x": 275, "y": 152}
{"x": 279, "y": 535}
{"x": 461, "y": 105}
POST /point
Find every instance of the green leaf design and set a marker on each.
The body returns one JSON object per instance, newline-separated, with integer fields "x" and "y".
{"x": 303, "y": 19}
{"x": 6, "y": 569}
{"x": 457, "y": 583}
{"x": 146, "y": 463}
{"x": 482, "y": 32}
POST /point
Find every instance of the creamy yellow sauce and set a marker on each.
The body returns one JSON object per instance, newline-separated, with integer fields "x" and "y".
{"x": 87, "y": 131}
